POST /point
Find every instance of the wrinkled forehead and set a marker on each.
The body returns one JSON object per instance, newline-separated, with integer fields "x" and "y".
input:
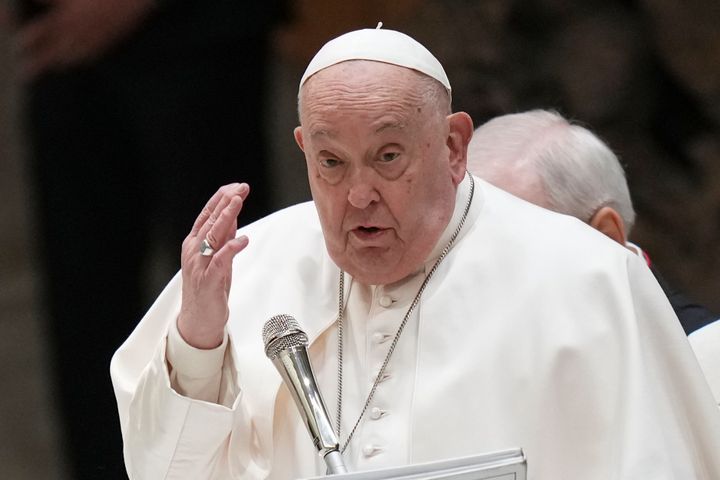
{"x": 357, "y": 78}
{"x": 369, "y": 92}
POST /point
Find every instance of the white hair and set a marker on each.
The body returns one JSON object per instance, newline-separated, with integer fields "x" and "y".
{"x": 576, "y": 170}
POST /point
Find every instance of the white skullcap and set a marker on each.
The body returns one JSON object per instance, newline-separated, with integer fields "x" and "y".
{"x": 387, "y": 46}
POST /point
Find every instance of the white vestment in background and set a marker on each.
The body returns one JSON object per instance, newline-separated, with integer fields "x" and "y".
{"x": 536, "y": 332}
{"x": 706, "y": 346}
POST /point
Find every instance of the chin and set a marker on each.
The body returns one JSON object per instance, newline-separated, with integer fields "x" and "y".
{"x": 371, "y": 278}
{"x": 374, "y": 268}
{"x": 382, "y": 275}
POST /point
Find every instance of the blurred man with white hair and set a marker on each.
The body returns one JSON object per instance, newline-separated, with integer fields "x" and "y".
{"x": 543, "y": 158}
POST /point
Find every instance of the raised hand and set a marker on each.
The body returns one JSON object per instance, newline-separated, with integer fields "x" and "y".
{"x": 207, "y": 255}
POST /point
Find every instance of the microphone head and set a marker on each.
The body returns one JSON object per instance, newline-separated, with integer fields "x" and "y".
{"x": 282, "y": 332}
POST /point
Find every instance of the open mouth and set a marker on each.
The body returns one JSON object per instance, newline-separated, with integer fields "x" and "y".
{"x": 369, "y": 234}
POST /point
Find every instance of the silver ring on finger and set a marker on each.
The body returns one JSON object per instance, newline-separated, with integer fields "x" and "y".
{"x": 206, "y": 250}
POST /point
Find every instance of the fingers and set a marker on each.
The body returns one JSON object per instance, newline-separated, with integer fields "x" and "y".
{"x": 222, "y": 223}
{"x": 207, "y": 279}
{"x": 216, "y": 204}
{"x": 218, "y": 224}
{"x": 221, "y": 261}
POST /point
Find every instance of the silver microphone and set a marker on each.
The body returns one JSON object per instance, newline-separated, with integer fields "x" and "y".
{"x": 286, "y": 345}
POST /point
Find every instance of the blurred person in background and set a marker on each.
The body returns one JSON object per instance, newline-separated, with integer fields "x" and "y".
{"x": 135, "y": 110}
{"x": 544, "y": 159}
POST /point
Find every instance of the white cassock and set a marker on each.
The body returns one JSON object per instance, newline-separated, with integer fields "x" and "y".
{"x": 535, "y": 332}
{"x": 706, "y": 346}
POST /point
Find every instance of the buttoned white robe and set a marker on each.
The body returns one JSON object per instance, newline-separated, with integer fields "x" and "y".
{"x": 536, "y": 332}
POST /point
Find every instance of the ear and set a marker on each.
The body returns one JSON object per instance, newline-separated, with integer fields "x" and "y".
{"x": 608, "y": 221}
{"x": 459, "y": 135}
{"x": 299, "y": 137}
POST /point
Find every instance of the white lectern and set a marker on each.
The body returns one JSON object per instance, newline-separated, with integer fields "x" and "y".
{"x": 503, "y": 465}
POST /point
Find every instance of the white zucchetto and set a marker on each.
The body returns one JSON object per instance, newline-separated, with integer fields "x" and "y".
{"x": 387, "y": 46}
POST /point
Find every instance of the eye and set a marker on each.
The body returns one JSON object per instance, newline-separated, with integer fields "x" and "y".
{"x": 329, "y": 162}
{"x": 389, "y": 156}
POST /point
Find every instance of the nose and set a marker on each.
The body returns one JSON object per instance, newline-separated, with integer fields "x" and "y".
{"x": 362, "y": 192}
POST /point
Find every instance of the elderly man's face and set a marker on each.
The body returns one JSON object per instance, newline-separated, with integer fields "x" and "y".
{"x": 383, "y": 162}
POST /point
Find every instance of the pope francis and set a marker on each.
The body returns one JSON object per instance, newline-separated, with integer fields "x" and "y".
{"x": 446, "y": 318}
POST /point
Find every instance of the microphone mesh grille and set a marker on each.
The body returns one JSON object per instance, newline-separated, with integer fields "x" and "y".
{"x": 281, "y": 332}
{"x": 286, "y": 342}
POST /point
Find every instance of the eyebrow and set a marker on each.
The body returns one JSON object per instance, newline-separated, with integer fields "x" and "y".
{"x": 397, "y": 125}
{"x": 321, "y": 132}
{"x": 391, "y": 125}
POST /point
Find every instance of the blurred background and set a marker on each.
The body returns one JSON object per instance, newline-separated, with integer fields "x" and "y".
{"x": 117, "y": 123}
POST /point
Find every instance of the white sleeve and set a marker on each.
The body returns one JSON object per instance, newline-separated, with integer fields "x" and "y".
{"x": 167, "y": 435}
{"x": 193, "y": 372}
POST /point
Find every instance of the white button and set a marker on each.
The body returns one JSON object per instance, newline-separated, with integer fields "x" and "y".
{"x": 385, "y": 301}
{"x": 377, "y": 413}
{"x": 379, "y": 337}
{"x": 370, "y": 450}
